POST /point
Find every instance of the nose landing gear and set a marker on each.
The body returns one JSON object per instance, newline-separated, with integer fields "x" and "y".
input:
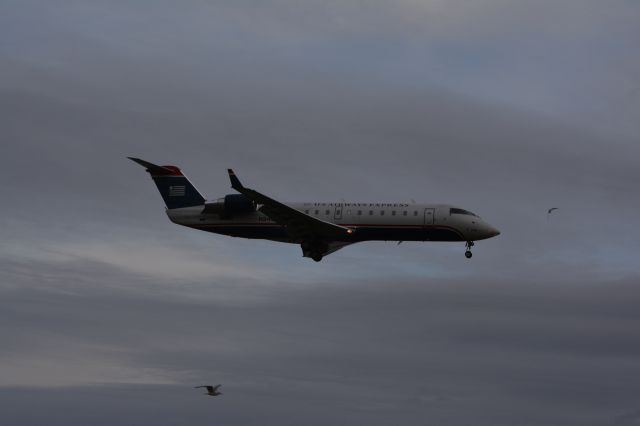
{"x": 468, "y": 246}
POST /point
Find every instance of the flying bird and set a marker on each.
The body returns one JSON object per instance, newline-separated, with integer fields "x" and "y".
{"x": 211, "y": 390}
{"x": 551, "y": 209}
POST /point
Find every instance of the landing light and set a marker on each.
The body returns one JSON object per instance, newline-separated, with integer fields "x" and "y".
{"x": 349, "y": 231}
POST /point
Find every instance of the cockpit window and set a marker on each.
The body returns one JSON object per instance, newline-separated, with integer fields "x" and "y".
{"x": 460, "y": 211}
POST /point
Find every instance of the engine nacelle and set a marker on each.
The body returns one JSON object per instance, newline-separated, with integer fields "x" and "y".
{"x": 235, "y": 204}
{"x": 229, "y": 206}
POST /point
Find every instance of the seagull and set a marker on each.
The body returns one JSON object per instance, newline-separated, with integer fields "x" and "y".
{"x": 211, "y": 390}
{"x": 551, "y": 209}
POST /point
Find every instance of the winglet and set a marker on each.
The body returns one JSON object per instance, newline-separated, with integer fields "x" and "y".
{"x": 235, "y": 182}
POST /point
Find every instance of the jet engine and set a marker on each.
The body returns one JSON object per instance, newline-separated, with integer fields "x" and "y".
{"x": 230, "y": 205}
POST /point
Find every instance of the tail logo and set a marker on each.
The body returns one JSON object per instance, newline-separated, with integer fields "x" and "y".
{"x": 176, "y": 191}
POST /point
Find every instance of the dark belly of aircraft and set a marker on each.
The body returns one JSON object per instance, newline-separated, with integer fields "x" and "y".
{"x": 362, "y": 232}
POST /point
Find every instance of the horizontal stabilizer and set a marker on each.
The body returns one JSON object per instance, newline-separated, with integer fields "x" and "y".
{"x": 156, "y": 170}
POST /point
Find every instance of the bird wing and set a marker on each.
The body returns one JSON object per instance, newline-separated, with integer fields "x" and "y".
{"x": 196, "y": 387}
{"x": 210, "y": 389}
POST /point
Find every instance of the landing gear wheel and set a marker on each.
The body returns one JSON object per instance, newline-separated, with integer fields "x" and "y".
{"x": 314, "y": 249}
{"x": 468, "y": 253}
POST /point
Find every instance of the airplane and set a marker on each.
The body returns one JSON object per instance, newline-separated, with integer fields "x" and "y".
{"x": 319, "y": 228}
{"x": 211, "y": 390}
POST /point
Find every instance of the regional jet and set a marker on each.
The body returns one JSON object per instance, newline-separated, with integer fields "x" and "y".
{"x": 319, "y": 228}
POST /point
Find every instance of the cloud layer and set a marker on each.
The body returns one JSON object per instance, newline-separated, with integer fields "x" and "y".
{"x": 110, "y": 313}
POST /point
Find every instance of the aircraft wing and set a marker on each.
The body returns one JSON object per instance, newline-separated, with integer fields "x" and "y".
{"x": 299, "y": 225}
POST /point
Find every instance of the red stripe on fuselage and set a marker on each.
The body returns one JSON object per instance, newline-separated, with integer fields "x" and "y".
{"x": 354, "y": 226}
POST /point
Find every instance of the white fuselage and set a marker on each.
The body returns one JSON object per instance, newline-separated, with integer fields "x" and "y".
{"x": 369, "y": 221}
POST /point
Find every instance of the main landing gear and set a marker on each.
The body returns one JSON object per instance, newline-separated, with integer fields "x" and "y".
{"x": 468, "y": 246}
{"x": 314, "y": 249}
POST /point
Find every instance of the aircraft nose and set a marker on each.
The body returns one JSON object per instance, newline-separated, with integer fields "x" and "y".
{"x": 493, "y": 232}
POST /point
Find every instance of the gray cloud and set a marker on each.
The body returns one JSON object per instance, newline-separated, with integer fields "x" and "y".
{"x": 371, "y": 351}
{"x": 110, "y": 313}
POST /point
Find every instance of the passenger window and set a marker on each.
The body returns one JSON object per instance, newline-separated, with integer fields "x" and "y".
{"x": 317, "y": 211}
{"x": 370, "y": 212}
{"x": 381, "y": 212}
{"x": 404, "y": 213}
{"x": 393, "y": 212}
{"x": 326, "y": 212}
{"x": 306, "y": 212}
{"x": 359, "y": 212}
{"x": 415, "y": 213}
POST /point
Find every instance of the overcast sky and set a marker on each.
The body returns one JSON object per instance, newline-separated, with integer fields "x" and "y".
{"x": 110, "y": 314}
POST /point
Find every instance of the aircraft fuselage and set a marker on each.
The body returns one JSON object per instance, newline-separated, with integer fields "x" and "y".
{"x": 319, "y": 228}
{"x": 369, "y": 222}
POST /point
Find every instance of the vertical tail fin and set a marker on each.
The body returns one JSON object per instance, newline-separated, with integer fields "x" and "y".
{"x": 176, "y": 190}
